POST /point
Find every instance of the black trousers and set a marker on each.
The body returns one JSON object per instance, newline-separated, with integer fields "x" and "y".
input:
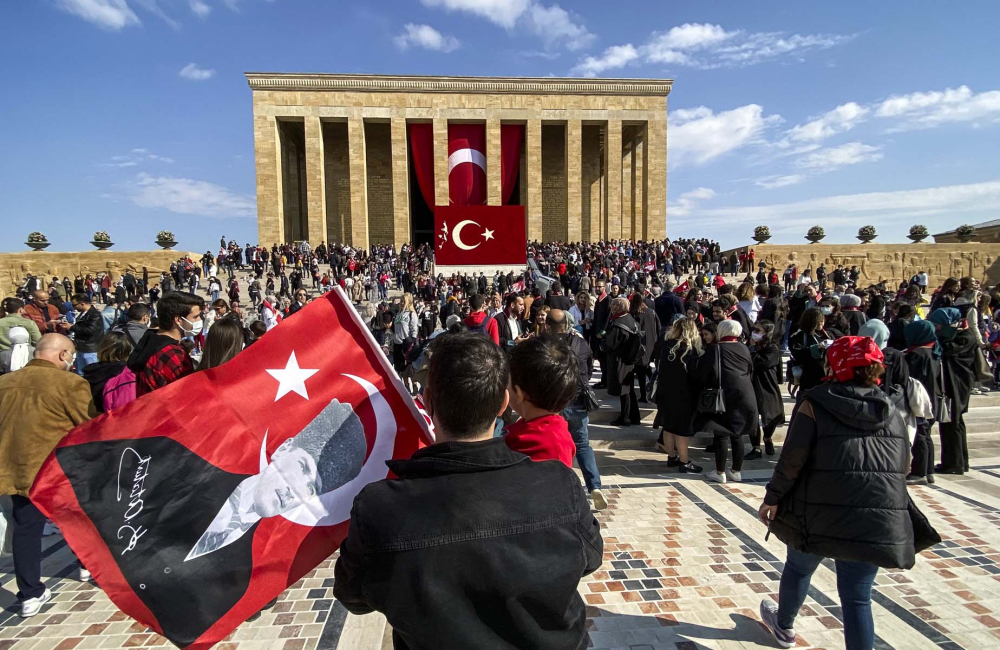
{"x": 629, "y": 405}
{"x": 736, "y": 442}
{"x": 768, "y": 432}
{"x": 29, "y": 522}
{"x": 923, "y": 450}
{"x": 642, "y": 374}
{"x": 954, "y": 445}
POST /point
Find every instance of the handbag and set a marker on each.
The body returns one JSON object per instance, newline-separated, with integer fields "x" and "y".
{"x": 711, "y": 401}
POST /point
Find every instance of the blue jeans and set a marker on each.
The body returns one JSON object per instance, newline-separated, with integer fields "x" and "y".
{"x": 854, "y": 584}
{"x": 578, "y": 419}
{"x": 84, "y": 359}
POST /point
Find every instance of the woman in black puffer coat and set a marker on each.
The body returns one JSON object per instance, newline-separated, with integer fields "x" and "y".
{"x": 839, "y": 491}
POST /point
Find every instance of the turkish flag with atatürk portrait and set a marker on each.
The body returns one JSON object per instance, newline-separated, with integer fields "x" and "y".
{"x": 479, "y": 235}
{"x": 196, "y": 504}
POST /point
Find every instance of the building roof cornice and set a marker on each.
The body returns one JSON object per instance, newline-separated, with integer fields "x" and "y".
{"x": 468, "y": 85}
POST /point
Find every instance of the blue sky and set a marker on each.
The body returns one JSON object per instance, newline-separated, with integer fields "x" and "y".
{"x": 133, "y": 116}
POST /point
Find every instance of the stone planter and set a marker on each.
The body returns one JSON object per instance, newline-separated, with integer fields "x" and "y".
{"x": 760, "y": 239}
{"x": 101, "y": 245}
{"x": 916, "y": 239}
{"x": 37, "y": 245}
{"x": 965, "y": 239}
{"x": 865, "y": 239}
{"x": 814, "y": 239}
{"x": 166, "y": 245}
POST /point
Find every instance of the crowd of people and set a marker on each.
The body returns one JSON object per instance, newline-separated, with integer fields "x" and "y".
{"x": 505, "y": 364}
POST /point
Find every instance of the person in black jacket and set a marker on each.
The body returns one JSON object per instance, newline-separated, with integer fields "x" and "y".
{"x": 112, "y": 354}
{"x": 556, "y": 299}
{"x": 897, "y": 373}
{"x": 452, "y": 551}
{"x": 839, "y": 491}
{"x": 676, "y": 393}
{"x": 958, "y": 350}
{"x": 87, "y": 331}
{"x": 807, "y": 345}
{"x": 623, "y": 344}
{"x": 766, "y": 379}
{"x": 602, "y": 313}
{"x": 923, "y": 359}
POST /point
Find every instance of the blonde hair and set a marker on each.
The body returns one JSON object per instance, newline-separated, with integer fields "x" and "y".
{"x": 745, "y": 292}
{"x": 685, "y": 331}
{"x": 619, "y": 305}
{"x": 589, "y": 302}
{"x": 407, "y": 302}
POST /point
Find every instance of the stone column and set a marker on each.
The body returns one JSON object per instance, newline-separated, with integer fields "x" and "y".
{"x": 533, "y": 160}
{"x": 574, "y": 179}
{"x": 639, "y": 193}
{"x": 270, "y": 217}
{"x": 628, "y": 182}
{"x": 494, "y": 181}
{"x": 613, "y": 158}
{"x": 400, "y": 185}
{"x": 656, "y": 179}
{"x": 315, "y": 181}
{"x": 441, "y": 193}
{"x": 359, "y": 180}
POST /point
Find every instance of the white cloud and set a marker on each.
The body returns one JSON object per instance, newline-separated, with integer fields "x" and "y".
{"x": 616, "y": 56}
{"x": 106, "y": 14}
{"x": 200, "y": 9}
{"x": 188, "y": 196}
{"x": 137, "y": 157}
{"x": 426, "y": 37}
{"x": 922, "y": 110}
{"x": 703, "y": 45}
{"x": 555, "y": 25}
{"x": 774, "y": 182}
{"x": 501, "y": 12}
{"x": 689, "y": 201}
{"x": 552, "y": 23}
{"x": 840, "y": 120}
{"x": 857, "y": 208}
{"x": 852, "y": 153}
{"x": 698, "y": 135}
{"x": 193, "y": 72}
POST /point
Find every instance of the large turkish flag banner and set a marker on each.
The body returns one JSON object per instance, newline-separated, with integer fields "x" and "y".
{"x": 467, "y": 164}
{"x": 198, "y": 503}
{"x": 479, "y": 235}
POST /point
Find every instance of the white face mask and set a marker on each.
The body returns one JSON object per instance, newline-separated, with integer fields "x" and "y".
{"x": 196, "y": 327}
{"x": 757, "y": 336}
{"x": 826, "y": 311}
{"x": 71, "y": 362}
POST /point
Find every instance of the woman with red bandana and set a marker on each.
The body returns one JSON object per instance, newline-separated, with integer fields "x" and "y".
{"x": 839, "y": 491}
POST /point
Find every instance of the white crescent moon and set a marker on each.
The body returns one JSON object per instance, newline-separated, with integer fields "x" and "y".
{"x": 456, "y": 235}
{"x": 334, "y": 507}
{"x": 467, "y": 155}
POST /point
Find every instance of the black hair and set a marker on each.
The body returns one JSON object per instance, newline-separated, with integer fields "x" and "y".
{"x": 768, "y": 328}
{"x": 476, "y": 301}
{"x": 511, "y": 299}
{"x": 138, "y": 311}
{"x": 176, "y": 304}
{"x": 810, "y": 319}
{"x": 80, "y": 297}
{"x": 466, "y": 383}
{"x": 546, "y": 369}
{"x": 11, "y": 306}
{"x": 114, "y": 346}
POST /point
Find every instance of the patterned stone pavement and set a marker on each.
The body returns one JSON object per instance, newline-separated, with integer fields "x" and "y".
{"x": 686, "y": 566}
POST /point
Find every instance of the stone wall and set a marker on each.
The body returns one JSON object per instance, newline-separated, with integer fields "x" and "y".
{"x": 889, "y": 262}
{"x": 378, "y": 154}
{"x": 15, "y": 267}
{"x": 554, "y": 197}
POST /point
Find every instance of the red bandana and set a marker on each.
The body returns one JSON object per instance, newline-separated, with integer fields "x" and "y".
{"x": 850, "y": 352}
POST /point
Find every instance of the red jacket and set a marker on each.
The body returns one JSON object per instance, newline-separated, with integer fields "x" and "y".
{"x": 491, "y": 329}
{"x": 544, "y": 438}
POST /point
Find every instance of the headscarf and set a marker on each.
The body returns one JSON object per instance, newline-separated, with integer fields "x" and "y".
{"x": 945, "y": 316}
{"x": 850, "y": 352}
{"x": 919, "y": 333}
{"x": 20, "y": 351}
{"x": 878, "y": 332}
{"x": 729, "y": 328}
{"x": 850, "y": 301}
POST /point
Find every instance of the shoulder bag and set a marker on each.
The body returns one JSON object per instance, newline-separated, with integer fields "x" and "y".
{"x": 711, "y": 401}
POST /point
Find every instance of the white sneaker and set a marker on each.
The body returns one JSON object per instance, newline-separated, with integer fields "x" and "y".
{"x": 733, "y": 476}
{"x": 84, "y": 575}
{"x": 32, "y": 606}
{"x": 600, "y": 503}
{"x": 713, "y": 475}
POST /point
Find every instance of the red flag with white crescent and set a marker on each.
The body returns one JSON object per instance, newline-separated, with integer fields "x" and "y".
{"x": 480, "y": 235}
{"x": 467, "y": 164}
{"x": 196, "y": 504}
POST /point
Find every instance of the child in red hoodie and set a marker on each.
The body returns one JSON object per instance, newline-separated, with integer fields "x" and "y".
{"x": 543, "y": 381}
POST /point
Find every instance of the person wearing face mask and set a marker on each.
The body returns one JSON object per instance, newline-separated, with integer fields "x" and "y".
{"x": 835, "y": 322}
{"x": 958, "y": 362}
{"x": 158, "y": 359}
{"x": 87, "y": 331}
{"x": 766, "y": 380}
{"x": 28, "y": 434}
{"x": 807, "y": 346}
{"x": 138, "y": 322}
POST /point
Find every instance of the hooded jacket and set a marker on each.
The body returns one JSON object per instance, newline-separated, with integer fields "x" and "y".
{"x": 479, "y": 321}
{"x": 97, "y": 375}
{"x": 840, "y": 483}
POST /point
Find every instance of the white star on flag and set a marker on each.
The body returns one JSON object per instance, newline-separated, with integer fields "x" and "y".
{"x": 291, "y": 378}
{"x": 487, "y": 234}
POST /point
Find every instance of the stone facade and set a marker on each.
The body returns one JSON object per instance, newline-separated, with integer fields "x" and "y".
{"x": 892, "y": 263}
{"x": 331, "y": 153}
{"x": 15, "y": 267}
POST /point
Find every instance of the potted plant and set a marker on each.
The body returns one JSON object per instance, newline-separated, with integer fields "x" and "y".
{"x": 965, "y": 232}
{"x": 918, "y": 233}
{"x": 866, "y": 234}
{"x": 37, "y": 241}
{"x": 102, "y": 240}
{"x": 761, "y": 234}
{"x": 815, "y": 234}
{"x": 165, "y": 240}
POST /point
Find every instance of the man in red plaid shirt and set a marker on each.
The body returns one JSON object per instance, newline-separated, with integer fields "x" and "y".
{"x": 158, "y": 359}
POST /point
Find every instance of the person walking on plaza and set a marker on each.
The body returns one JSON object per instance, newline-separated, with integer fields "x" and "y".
{"x": 843, "y": 460}
{"x": 623, "y": 344}
{"x": 453, "y": 550}
{"x": 766, "y": 379}
{"x": 923, "y": 359}
{"x": 958, "y": 359}
{"x": 40, "y": 404}
{"x": 576, "y": 413}
{"x": 727, "y": 364}
{"x": 87, "y": 331}
{"x": 649, "y": 326}
{"x": 676, "y": 393}
{"x": 602, "y": 314}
